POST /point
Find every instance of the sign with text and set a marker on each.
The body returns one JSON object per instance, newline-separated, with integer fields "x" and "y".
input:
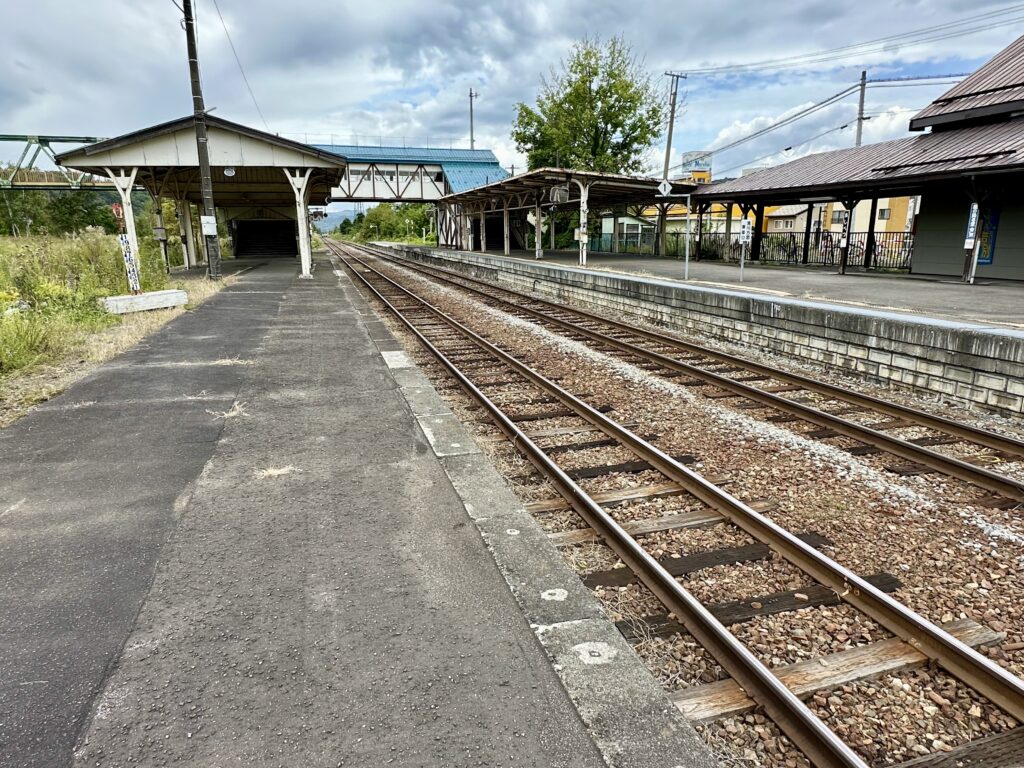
{"x": 972, "y": 228}
{"x": 746, "y": 232}
{"x": 131, "y": 267}
{"x": 987, "y": 231}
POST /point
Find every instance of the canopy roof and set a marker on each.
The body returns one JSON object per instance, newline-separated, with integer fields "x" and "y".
{"x": 995, "y": 89}
{"x": 890, "y": 166}
{"x": 525, "y": 189}
{"x": 247, "y": 165}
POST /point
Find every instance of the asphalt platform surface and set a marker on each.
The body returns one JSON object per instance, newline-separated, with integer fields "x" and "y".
{"x": 232, "y": 546}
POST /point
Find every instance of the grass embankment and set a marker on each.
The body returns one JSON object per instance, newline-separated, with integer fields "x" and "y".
{"x": 52, "y": 329}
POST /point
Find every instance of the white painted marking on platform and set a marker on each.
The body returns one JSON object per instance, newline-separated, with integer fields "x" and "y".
{"x": 558, "y": 595}
{"x": 512, "y": 531}
{"x": 595, "y": 653}
{"x": 396, "y": 360}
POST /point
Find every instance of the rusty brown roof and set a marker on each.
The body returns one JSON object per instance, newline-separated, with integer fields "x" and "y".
{"x": 888, "y": 164}
{"x": 995, "y": 89}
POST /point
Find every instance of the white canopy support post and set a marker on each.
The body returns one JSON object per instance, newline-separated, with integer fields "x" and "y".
{"x": 538, "y": 234}
{"x": 130, "y": 240}
{"x": 507, "y": 245}
{"x": 483, "y": 232}
{"x": 188, "y": 243}
{"x": 584, "y": 213}
{"x": 300, "y": 182}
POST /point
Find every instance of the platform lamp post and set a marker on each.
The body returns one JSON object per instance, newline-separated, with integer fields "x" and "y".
{"x": 208, "y": 220}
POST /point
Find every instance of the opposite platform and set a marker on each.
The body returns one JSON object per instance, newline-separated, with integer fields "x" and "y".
{"x": 968, "y": 363}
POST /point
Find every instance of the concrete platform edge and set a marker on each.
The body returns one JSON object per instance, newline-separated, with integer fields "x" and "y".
{"x": 626, "y": 712}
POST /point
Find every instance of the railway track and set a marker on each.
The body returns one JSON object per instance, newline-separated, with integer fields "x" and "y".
{"x": 835, "y": 412}
{"x": 508, "y": 391}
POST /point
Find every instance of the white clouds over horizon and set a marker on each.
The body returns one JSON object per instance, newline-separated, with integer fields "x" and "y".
{"x": 399, "y": 68}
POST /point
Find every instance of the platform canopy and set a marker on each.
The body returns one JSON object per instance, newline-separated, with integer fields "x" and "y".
{"x": 256, "y": 175}
{"x": 547, "y": 189}
{"x": 246, "y": 163}
{"x": 525, "y": 189}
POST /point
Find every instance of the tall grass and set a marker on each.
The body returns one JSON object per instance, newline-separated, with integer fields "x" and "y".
{"x": 49, "y": 288}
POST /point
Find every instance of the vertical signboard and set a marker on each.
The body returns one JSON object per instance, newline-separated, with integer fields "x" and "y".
{"x": 987, "y": 231}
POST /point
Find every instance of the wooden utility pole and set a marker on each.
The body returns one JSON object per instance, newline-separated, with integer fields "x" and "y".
{"x": 663, "y": 208}
{"x": 208, "y": 221}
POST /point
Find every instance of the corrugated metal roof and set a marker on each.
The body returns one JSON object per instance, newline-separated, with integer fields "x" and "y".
{"x": 996, "y": 88}
{"x": 463, "y": 176}
{"x": 980, "y": 147}
{"x": 369, "y": 154}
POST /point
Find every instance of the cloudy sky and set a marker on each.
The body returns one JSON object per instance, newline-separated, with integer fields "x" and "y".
{"x": 402, "y": 68}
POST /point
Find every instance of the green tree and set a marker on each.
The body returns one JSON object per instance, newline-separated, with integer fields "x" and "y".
{"x": 599, "y": 112}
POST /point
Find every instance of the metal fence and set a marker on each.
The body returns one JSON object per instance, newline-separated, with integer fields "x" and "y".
{"x": 892, "y": 250}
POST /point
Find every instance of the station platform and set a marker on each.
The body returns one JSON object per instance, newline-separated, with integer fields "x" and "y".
{"x": 261, "y": 538}
{"x": 987, "y": 302}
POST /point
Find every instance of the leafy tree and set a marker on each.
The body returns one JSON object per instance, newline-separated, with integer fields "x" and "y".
{"x": 599, "y": 112}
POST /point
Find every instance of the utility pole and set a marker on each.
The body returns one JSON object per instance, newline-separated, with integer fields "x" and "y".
{"x": 472, "y": 95}
{"x": 663, "y": 208}
{"x": 671, "y": 119}
{"x": 208, "y": 221}
{"x": 860, "y": 106}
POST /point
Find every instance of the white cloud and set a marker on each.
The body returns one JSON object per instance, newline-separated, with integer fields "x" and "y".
{"x": 402, "y": 68}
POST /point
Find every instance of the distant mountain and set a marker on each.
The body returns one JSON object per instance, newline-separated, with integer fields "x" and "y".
{"x": 334, "y": 218}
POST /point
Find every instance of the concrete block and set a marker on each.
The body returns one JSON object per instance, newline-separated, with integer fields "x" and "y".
{"x": 988, "y": 381}
{"x": 866, "y": 366}
{"x": 1015, "y": 387}
{"x": 122, "y": 305}
{"x": 880, "y": 356}
{"x": 904, "y": 361}
{"x": 974, "y": 394}
{"x": 858, "y": 352}
{"x": 929, "y": 367}
{"x": 957, "y": 374}
{"x": 1004, "y": 401}
{"x": 939, "y": 384}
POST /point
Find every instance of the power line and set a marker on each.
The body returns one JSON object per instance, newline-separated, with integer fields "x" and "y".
{"x": 240, "y": 67}
{"x": 786, "y": 149}
{"x": 926, "y": 34}
{"x": 893, "y": 82}
{"x": 780, "y": 123}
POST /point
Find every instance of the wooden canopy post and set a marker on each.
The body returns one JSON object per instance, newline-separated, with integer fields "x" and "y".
{"x": 807, "y": 233}
{"x": 869, "y": 243}
{"x": 755, "y": 247}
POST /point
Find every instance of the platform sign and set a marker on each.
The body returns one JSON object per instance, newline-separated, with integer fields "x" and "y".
{"x": 665, "y": 188}
{"x": 972, "y": 228}
{"x": 209, "y": 225}
{"x": 847, "y": 222}
{"x": 746, "y": 232}
{"x": 131, "y": 267}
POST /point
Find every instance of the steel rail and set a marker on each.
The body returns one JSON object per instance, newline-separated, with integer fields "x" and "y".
{"x": 821, "y": 745}
{"x": 948, "y": 465}
{"x": 963, "y": 662}
{"x": 983, "y": 437}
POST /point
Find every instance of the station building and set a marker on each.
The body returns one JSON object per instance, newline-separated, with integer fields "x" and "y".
{"x": 970, "y": 153}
